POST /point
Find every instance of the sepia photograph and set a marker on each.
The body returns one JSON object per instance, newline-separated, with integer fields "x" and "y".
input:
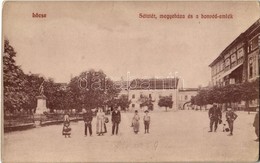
{"x": 130, "y": 81}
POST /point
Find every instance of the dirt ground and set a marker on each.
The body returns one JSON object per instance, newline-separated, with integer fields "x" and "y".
{"x": 174, "y": 136}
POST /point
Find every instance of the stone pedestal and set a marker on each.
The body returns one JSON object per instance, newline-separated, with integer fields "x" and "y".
{"x": 41, "y": 104}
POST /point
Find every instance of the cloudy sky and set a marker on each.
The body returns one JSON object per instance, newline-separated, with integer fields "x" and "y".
{"x": 77, "y": 36}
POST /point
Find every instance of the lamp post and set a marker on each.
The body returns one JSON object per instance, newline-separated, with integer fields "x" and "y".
{"x": 181, "y": 101}
{"x": 182, "y": 83}
{"x": 176, "y": 85}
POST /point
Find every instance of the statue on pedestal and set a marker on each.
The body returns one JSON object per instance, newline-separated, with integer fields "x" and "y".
{"x": 41, "y": 101}
{"x": 41, "y": 89}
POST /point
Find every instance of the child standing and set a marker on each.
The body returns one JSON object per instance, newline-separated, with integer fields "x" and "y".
{"x": 66, "y": 126}
{"x": 230, "y": 116}
{"x": 147, "y": 120}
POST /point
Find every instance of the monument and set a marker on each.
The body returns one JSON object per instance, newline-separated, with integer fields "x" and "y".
{"x": 41, "y": 101}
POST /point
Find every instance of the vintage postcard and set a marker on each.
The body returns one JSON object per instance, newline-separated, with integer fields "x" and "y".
{"x": 115, "y": 81}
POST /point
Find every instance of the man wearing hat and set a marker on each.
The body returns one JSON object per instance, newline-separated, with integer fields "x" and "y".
{"x": 147, "y": 120}
{"x": 214, "y": 115}
{"x": 256, "y": 124}
{"x": 88, "y": 117}
{"x": 230, "y": 116}
{"x": 116, "y": 119}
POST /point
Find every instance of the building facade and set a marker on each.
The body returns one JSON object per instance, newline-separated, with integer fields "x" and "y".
{"x": 154, "y": 89}
{"x": 239, "y": 61}
{"x": 184, "y": 96}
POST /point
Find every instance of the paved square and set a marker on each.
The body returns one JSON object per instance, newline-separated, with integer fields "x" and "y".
{"x": 174, "y": 136}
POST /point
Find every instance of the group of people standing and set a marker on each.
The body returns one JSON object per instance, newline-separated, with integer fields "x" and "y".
{"x": 136, "y": 123}
{"x": 102, "y": 119}
{"x": 101, "y": 128}
{"x": 215, "y": 116}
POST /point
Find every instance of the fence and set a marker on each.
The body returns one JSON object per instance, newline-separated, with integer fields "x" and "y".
{"x": 18, "y": 122}
{"x": 21, "y": 122}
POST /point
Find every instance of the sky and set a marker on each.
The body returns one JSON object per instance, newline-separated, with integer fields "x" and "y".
{"x": 78, "y": 36}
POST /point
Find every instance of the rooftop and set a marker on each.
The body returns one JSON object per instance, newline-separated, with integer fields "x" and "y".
{"x": 240, "y": 38}
{"x": 152, "y": 83}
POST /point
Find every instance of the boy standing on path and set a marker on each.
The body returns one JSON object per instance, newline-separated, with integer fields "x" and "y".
{"x": 230, "y": 116}
{"x": 147, "y": 120}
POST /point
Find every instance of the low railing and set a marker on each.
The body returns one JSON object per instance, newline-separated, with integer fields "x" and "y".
{"x": 12, "y": 120}
{"x": 17, "y": 122}
{"x": 20, "y": 122}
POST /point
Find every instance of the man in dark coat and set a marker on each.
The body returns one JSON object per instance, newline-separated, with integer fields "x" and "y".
{"x": 214, "y": 115}
{"x": 256, "y": 124}
{"x": 116, "y": 119}
{"x": 87, "y": 117}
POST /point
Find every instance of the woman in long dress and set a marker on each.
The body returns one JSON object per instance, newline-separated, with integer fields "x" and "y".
{"x": 101, "y": 128}
{"x": 135, "y": 122}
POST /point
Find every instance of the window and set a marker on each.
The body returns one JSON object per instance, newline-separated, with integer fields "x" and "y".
{"x": 227, "y": 62}
{"x": 221, "y": 66}
{"x": 232, "y": 81}
{"x": 259, "y": 41}
{"x": 233, "y": 58}
{"x": 150, "y": 96}
{"x": 213, "y": 70}
{"x": 133, "y": 96}
{"x": 251, "y": 67}
{"x": 254, "y": 43}
{"x": 186, "y": 97}
{"x": 250, "y": 46}
{"x": 133, "y": 105}
{"x": 240, "y": 53}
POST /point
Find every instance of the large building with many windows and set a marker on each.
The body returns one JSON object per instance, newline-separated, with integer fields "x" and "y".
{"x": 154, "y": 89}
{"x": 239, "y": 61}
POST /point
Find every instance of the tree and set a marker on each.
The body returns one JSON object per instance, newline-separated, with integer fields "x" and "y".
{"x": 193, "y": 100}
{"x": 228, "y": 94}
{"x": 112, "y": 103}
{"x": 92, "y": 89}
{"x": 202, "y": 98}
{"x": 165, "y": 101}
{"x": 58, "y": 98}
{"x": 123, "y": 102}
{"x": 250, "y": 91}
{"x": 146, "y": 101}
{"x": 31, "y": 87}
{"x": 14, "y": 81}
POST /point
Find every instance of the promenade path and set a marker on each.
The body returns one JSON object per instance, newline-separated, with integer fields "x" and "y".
{"x": 174, "y": 136}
